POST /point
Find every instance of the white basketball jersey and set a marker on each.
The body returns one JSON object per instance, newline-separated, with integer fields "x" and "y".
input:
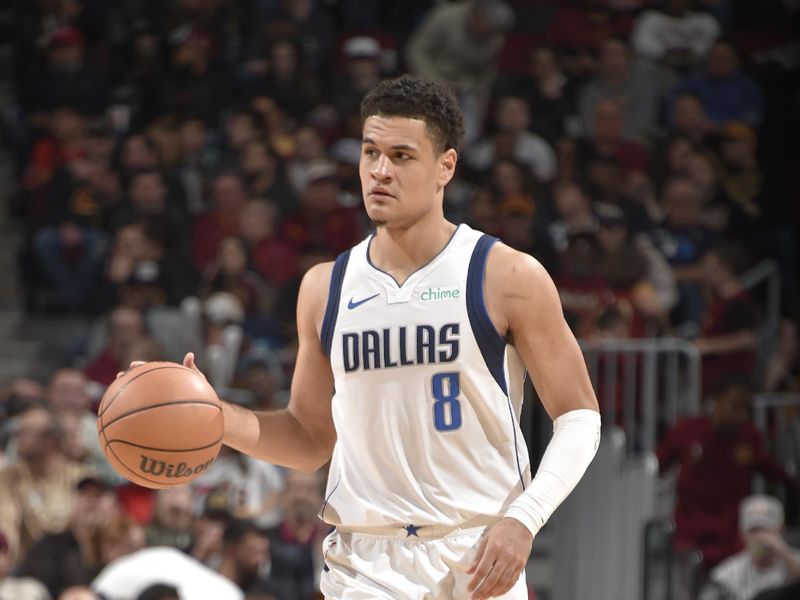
{"x": 427, "y": 394}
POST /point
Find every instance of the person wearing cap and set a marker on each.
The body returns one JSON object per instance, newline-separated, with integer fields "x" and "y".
{"x": 321, "y": 219}
{"x": 458, "y": 44}
{"x": 767, "y": 562}
{"x": 362, "y": 73}
{"x": 61, "y": 559}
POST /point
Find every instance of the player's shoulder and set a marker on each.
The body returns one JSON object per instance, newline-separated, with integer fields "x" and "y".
{"x": 314, "y": 288}
{"x": 507, "y": 267}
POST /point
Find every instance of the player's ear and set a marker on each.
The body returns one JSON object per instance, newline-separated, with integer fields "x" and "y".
{"x": 447, "y": 166}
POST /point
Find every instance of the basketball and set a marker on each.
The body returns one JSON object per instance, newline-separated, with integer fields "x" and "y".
{"x": 160, "y": 425}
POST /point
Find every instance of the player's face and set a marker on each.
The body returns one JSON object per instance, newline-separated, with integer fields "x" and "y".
{"x": 402, "y": 173}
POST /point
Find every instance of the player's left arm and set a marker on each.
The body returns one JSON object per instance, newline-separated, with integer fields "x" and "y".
{"x": 524, "y": 306}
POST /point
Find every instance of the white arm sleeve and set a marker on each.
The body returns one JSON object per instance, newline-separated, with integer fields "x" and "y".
{"x": 576, "y": 436}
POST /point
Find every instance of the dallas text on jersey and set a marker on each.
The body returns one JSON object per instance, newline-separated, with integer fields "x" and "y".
{"x": 423, "y": 344}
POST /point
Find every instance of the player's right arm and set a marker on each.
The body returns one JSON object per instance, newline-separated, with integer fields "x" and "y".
{"x": 302, "y": 435}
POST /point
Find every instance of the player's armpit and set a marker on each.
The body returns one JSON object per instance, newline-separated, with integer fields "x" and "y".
{"x": 301, "y": 436}
{"x": 524, "y": 305}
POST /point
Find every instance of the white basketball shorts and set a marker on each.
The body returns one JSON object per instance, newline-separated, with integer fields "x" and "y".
{"x": 399, "y": 566}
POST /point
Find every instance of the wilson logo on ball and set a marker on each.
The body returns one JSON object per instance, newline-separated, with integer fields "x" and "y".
{"x": 159, "y": 468}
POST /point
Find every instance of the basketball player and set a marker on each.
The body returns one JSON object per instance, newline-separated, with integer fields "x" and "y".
{"x": 413, "y": 349}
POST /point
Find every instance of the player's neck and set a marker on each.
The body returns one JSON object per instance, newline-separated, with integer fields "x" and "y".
{"x": 401, "y": 251}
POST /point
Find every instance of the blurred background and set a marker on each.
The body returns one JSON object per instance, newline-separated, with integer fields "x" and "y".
{"x": 169, "y": 169}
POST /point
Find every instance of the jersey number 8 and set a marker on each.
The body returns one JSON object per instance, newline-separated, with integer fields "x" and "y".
{"x": 446, "y": 406}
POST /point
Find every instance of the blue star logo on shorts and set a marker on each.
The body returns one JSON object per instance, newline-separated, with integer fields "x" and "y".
{"x": 411, "y": 530}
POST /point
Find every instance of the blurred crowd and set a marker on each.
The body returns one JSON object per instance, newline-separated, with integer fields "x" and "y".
{"x": 180, "y": 164}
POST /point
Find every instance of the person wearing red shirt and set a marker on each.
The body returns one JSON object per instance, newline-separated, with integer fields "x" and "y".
{"x": 717, "y": 454}
{"x": 728, "y": 335}
{"x": 227, "y": 198}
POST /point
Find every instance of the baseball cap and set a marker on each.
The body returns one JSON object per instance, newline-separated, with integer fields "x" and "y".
{"x": 319, "y": 170}
{"x": 92, "y": 479}
{"x": 609, "y": 214}
{"x": 362, "y": 46}
{"x": 760, "y": 511}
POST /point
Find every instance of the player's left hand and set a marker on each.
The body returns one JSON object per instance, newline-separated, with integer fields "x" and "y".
{"x": 188, "y": 362}
{"x": 502, "y": 555}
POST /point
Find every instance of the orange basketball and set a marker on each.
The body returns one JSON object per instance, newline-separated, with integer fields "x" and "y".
{"x": 160, "y": 425}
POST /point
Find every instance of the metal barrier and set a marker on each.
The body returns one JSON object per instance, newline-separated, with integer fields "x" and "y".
{"x": 776, "y": 416}
{"x": 766, "y": 273}
{"x": 641, "y": 383}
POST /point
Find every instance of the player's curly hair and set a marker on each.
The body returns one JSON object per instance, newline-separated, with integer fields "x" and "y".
{"x": 417, "y": 98}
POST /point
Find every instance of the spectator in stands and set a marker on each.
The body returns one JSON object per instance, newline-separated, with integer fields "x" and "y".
{"x": 80, "y": 592}
{"x": 458, "y": 44}
{"x": 198, "y": 159}
{"x": 159, "y": 591}
{"x": 64, "y": 144}
{"x": 15, "y": 397}
{"x": 581, "y": 30}
{"x": 728, "y": 336}
{"x": 231, "y": 272}
{"x": 68, "y": 76}
{"x": 124, "y": 327}
{"x": 114, "y": 538}
{"x": 573, "y": 213}
{"x": 581, "y": 286}
{"x": 172, "y": 520}
{"x": 239, "y": 129}
{"x": 767, "y": 562}
{"x": 273, "y": 258}
{"x": 320, "y": 219}
{"x": 309, "y": 23}
{"x": 294, "y": 544}
{"x": 362, "y": 73}
{"x": 718, "y": 455}
{"x": 513, "y": 141}
{"x": 67, "y": 394}
{"x": 65, "y": 558}
{"x": 37, "y": 490}
{"x": 550, "y": 94}
{"x": 208, "y": 529}
{"x": 674, "y": 35}
{"x": 69, "y": 253}
{"x": 727, "y": 94}
{"x": 13, "y": 587}
{"x": 192, "y": 83}
{"x": 309, "y": 150}
{"x": 137, "y": 153}
{"x": 227, "y": 201}
{"x": 624, "y": 82}
{"x": 287, "y": 81}
{"x": 264, "y": 176}
{"x": 245, "y": 555}
{"x": 244, "y": 487}
{"x": 607, "y": 140}
{"x": 688, "y": 119}
{"x": 683, "y": 240}
{"x": 139, "y": 274}
{"x": 636, "y": 271}
{"x": 149, "y": 205}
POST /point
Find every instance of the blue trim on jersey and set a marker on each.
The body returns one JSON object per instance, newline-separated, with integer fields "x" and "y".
{"x": 516, "y": 448}
{"x": 400, "y": 285}
{"x": 332, "y": 308}
{"x": 491, "y": 345}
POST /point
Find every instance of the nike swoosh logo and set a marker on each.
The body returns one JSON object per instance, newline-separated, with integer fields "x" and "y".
{"x": 351, "y": 305}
